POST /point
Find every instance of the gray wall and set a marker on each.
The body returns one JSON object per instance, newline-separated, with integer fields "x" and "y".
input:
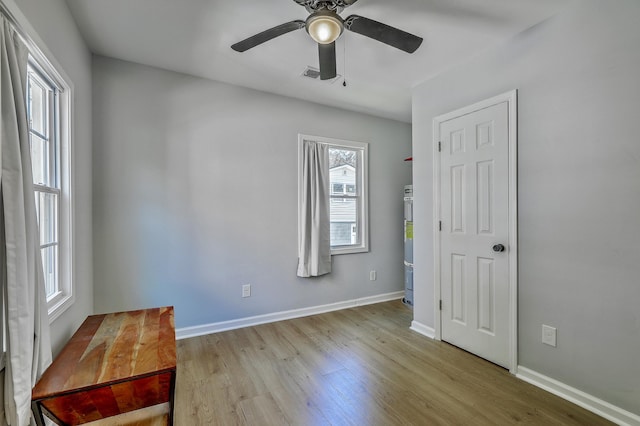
{"x": 579, "y": 190}
{"x": 195, "y": 194}
{"x": 50, "y": 24}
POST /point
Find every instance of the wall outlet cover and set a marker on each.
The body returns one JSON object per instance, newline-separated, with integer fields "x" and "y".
{"x": 246, "y": 290}
{"x": 549, "y": 335}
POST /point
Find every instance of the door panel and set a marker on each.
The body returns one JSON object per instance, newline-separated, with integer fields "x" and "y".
{"x": 458, "y": 199}
{"x": 474, "y": 167}
{"x": 486, "y": 295}
{"x": 485, "y": 201}
{"x": 458, "y": 289}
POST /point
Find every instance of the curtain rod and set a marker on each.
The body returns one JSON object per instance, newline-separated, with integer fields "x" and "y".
{"x": 32, "y": 46}
{"x": 6, "y": 13}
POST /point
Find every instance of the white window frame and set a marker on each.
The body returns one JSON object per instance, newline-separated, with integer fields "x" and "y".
{"x": 61, "y": 300}
{"x": 362, "y": 182}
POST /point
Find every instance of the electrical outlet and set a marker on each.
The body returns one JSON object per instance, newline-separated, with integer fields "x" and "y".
{"x": 549, "y": 335}
{"x": 246, "y": 290}
{"x": 373, "y": 276}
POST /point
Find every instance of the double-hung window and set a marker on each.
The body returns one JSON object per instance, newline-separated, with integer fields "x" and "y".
{"x": 47, "y": 107}
{"x": 348, "y": 194}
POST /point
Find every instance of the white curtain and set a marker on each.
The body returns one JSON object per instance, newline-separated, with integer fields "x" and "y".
{"x": 27, "y": 325}
{"x": 314, "y": 250}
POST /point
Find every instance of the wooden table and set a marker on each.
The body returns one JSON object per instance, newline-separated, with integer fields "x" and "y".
{"x": 115, "y": 363}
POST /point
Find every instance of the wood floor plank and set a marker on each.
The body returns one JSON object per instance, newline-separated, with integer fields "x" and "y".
{"x": 262, "y": 410}
{"x": 363, "y": 404}
{"x": 360, "y": 366}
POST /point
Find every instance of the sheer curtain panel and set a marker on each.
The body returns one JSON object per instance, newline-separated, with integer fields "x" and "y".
{"x": 28, "y": 348}
{"x": 314, "y": 245}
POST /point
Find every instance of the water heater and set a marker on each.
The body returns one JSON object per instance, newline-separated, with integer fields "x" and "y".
{"x": 408, "y": 245}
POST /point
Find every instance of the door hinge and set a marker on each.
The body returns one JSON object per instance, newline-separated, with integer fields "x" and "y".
{"x": 440, "y": 305}
{"x": 439, "y": 225}
{"x": 439, "y": 146}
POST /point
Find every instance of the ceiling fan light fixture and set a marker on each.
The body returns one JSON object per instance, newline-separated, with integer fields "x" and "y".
{"x": 324, "y": 26}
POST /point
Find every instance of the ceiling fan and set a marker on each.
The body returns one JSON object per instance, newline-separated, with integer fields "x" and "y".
{"x": 325, "y": 25}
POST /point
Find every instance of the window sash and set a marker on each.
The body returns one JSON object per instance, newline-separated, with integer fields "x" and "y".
{"x": 50, "y": 129}
{"x": 49, "y": 235}
{"x": 355, "y": 244}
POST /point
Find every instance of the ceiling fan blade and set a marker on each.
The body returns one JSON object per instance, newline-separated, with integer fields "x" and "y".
{"x": 327, "y": 60}
{"x": 267, "y": 35}
{"x": 382, "y": 32}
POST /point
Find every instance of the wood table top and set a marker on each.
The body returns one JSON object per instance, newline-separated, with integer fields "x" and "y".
{"x": 113, "y": 347}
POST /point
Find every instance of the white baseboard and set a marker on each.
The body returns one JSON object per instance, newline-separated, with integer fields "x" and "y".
{"x": 578, "y": 397}
{"x": 423, "y": 329}
{"x": 200, "y": 330}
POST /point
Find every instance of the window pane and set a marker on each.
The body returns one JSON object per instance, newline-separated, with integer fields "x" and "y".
{"x": 38, "y": 107}
{"x": 342, "y": 171}
{"x": 50, "y": 267}
{"x": 343, "y": 217}
{"x": 40, "y": 160}
{"x": 47, "y": 207}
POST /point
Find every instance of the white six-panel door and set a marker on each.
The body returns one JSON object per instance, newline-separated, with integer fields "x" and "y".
{"x": 474, "y": 216}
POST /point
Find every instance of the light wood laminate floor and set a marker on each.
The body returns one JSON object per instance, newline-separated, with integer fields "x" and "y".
{"x": 360, "y": 366}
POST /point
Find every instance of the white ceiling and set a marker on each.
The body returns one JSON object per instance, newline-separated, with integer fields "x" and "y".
{"x": 193, "y": 37}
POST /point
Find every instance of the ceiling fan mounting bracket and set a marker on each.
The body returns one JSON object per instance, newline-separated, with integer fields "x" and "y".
{"x": 336, "y": 6}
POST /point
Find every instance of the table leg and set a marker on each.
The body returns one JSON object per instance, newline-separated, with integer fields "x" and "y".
{"x": 172, "y": 394}
{"x": 37, "y": 413}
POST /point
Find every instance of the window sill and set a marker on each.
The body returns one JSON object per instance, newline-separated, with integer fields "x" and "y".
{"x": 59, "y": 305}
{"x": 348, "y": 250}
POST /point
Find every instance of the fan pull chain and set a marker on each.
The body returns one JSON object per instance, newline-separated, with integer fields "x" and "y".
{"x": 344, "y": 61}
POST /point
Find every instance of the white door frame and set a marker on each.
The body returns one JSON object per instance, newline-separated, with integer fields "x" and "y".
{"x": 511, "y": 99}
